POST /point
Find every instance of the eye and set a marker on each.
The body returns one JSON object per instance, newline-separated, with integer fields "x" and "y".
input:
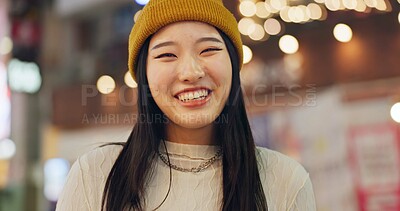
{"x": 165, "y": 55}
{"x": 211, "y": 49}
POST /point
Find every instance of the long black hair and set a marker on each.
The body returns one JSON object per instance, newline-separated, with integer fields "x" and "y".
{"x": 242, "y": 187}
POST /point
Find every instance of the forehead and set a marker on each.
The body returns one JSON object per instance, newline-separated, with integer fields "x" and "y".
{"x": 184, "y": 30}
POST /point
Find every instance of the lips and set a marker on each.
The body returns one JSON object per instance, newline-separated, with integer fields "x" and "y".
{"x": 193, "y": 97}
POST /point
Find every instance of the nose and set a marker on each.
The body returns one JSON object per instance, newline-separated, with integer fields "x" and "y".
{"x": 190, "y": 70}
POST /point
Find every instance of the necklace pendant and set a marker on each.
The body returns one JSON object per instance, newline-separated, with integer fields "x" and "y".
{"x": 197, "y": 169}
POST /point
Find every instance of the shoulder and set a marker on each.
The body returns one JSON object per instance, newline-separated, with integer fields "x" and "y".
{"x": 282, "y": 177}
{"x": 98, "y": 162}
{"x": 273, "y": 161}
{"x": 84, "y": 186}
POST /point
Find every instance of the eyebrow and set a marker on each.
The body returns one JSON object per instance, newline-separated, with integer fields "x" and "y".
{"x": 208, "y": 39}
{"x": 163, "y": 44}
{"x": 203, "y": 39}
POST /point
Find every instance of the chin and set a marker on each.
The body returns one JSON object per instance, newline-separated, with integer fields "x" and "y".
{"x": 194, "y": 122}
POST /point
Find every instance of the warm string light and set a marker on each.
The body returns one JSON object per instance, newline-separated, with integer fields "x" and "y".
{"x": 395, "y": 112}
{"x": 272, "y": 26}
{"x": 105, "y": 84}
{"x": 361, "y": 6}
{"x": 261, "y": 10}
{"x": 258, "y": 32}
{"x": 247, "y": 8}
{"x": 314, "y": 11}
{"x": 268, "y": 8}
{"x": 247, "y": 54}
{"x": 342, "y": 32}
{"x": 399, "y": 17}
{"x": 255, "y": 13}
{"x": 288, "y": 44}
{"x": 136, "y": 16}
{"x": 246, "y": 26}
{"x": 129, "y": 80}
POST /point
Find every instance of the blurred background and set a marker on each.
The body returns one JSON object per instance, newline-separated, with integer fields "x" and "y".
{"x": 321, "y": 79}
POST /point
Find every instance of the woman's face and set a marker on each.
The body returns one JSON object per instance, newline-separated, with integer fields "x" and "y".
{"x": 189, "y": 73}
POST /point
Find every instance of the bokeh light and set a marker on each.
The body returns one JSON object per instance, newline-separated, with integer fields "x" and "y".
{"x": 247, "y": 8}
{"x": 314, "y": 11}
{"x": 55, "y": 174}
{"x": 395, "y": 112}
{"x": 269, "y": 8}
{"x": 342, "y": 32}
{"x": 278, "y": 4}
{"x": 284, "y": 14}
{"x": 246, "y": 26}
{"x": 6, "y": 45}
{"x": 350, "y": 4}
{"x": 142, "y": 2}
{"x": 305, "y": 13}
{"x": 247, "y": 54}
{"x": 261, "y": 10}
{"x": 399, "y": 17}
{"x": 298, "y": 14}
{"x": 371, "y": 3}
{"x": 105, "y": 84}
{"x": 288, "y": 44}
{"x": 381, "y": 5}
{"x": 258, "y": 33}
{"x": 24, "y": 76}
{"x": 332, "y": 5}
{"x": 7, "y": 149}
{"x": 361, "y": 7}
{"x": 272, "y": 26}
{"x": 129, "y": 80}
{"x": 136, "y": 16}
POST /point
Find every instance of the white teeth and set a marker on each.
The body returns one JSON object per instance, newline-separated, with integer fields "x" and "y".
{"x": 195, "y": 95}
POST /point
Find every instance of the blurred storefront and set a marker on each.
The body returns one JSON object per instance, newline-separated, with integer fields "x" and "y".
{"x": 322, "y": 79}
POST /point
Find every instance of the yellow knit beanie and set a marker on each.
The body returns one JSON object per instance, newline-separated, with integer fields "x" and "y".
{"x": 159, "y": 13}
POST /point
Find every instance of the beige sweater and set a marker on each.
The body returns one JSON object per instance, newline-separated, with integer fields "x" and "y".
{"x": 286, "y": 184}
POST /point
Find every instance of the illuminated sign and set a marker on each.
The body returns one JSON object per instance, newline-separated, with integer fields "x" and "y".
{"x": 5, "y": 104}
{"x": 24, "y": 76}
{"x": 55, "y": 175}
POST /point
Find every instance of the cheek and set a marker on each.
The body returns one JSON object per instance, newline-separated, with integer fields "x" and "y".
{"x": 157, "y": 79}
{"x": 153, "y": 80}
{"x": 222, "y": 72}
{"x": 225, "y": 75}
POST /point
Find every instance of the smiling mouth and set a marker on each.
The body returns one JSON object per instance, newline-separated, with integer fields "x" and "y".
{"x": 195, "y": 95}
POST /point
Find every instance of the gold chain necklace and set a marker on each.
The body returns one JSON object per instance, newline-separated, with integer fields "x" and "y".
{"x": 204, "y": 165}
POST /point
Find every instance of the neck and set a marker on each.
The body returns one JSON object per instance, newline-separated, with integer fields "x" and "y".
{"x": 195, "y": 136}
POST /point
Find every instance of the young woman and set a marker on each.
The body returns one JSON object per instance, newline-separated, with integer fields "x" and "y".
{"x": 192, "y": 147}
